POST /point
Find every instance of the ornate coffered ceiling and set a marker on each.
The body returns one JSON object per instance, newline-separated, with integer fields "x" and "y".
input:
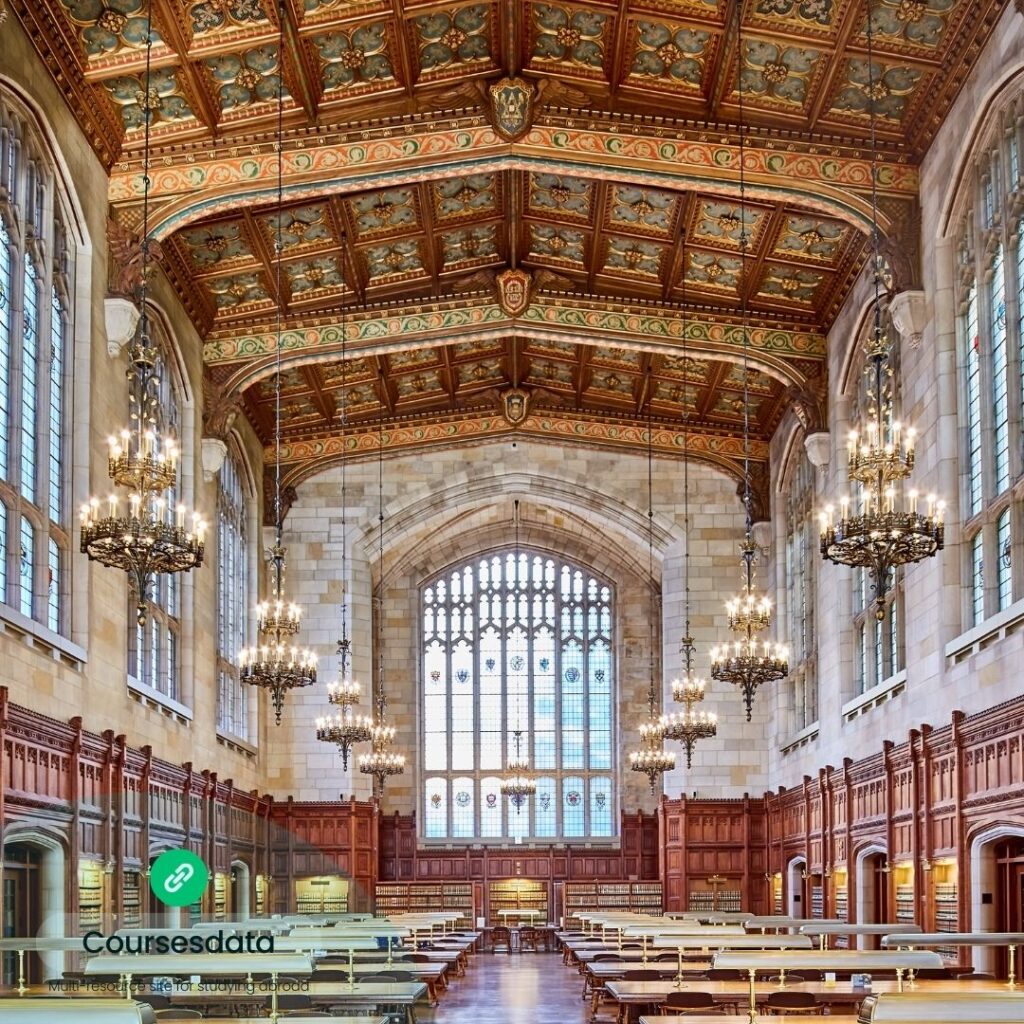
{"x": 510, "y": 192}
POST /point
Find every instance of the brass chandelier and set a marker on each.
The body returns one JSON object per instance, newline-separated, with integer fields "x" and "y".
{"x": 344, "y": 727}
{"x": 148, "y": 534}
{"x": 651, "y": 759}
{"x": 748, "y": 662}
{"x": 382, "y": 762}
{"x": 689, "y": 725}
{"x": 274, "y": 664}
{"x": 518, "y": 785}
{"x": 875, "y": 530}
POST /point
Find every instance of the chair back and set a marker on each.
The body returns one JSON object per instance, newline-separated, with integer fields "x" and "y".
{"x": 642, "y": 975}
{"x": 791, "y": 1000}
{"x": 690, "y": 1001}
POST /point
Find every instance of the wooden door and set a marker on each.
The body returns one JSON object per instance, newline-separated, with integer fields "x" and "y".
{"x": 1009, "y": 896}
{"x": 22, "y": 907}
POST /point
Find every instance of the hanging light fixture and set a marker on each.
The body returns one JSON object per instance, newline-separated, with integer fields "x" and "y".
{"x": 748, "y": 663}
{"x": 149, "y": 534}
{"x": 880, "y": 532}
{"x": 689, "y": 725}
{"x": 344, "y": 727}
{"x": 382, "y": 762}
{"x": 275, "y": 664}
{"x": 518, "y": 785}
{"x": 652, "y": 759}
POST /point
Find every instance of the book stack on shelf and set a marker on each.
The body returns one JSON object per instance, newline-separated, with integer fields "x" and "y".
{"x": 394, "y": 898}
{"x": 131, "y": 903}
{"x": 261, "y": 895}
{"x": 903, "y": 876}
{"x": 642, "y": 897}
{"x": 723, "y": 901}
{"x": 515, "y": 894}
{"x": 326, "y": 895}
{"x": 842, "y": 904}
{"x": 220, "y": 896}
{"x": 90, "y": 895}
{"x": 777, "y": 894}
{"x": 817, "y": 901}
{"x": 946, "y": 898}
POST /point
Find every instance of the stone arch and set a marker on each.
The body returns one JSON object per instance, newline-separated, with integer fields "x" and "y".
{"x": 53, "y": 883}
{"x": 982, "y": 877}
{"x": 865, "y": 883}
{"x": 795, "y": 868}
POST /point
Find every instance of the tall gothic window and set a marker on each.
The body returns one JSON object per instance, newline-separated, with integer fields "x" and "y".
{"x": 232, "y": 598}
{"x": 518, "y": 643}
{"x": 991, "y": 345}
{"x": 154, "y": 648}
{"x": 35, "y": 290}
{"x": 801, "y": 576}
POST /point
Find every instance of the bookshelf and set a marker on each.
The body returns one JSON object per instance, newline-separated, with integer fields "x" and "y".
{"x": 262, "y": 890}
{"x": 713, "y": 894}
{"x": 91, "y": 898}
{"x": 220, "y": 896}
{"x": 641, "y": 897}
{"x": 903, "y": 877}
{"x": 817, "y": 899}
{"x": 945, "y": 899}
{"x": 841, "y": 903}
{"x": 324, "y": 894}
{"x": 517, "y": 894}
{"x": 131, "y": 902}
{"x": 776, "y": 881}
{"x": 398, "y": 898}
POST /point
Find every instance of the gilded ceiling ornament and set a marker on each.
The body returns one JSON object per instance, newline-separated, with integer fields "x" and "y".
{"x": 112, "y": 21}
{"x": 560, "y": 194}
{"x": 515, "y": 405}
{"x": 714, "y": 270}
{"x": 453, "y": 38}
{"x": 669, "y": 53}
{"x": 353, "y": 58}
{"x": 728, "y": 222}
{"x": 775, "y": 72}
{"x": 568, "y": 36}
{"x": 811, "y": 238}
{"x": 911, "y": 10}
{"x": 511, "y": 107}
{"x": 514, "y": 287}
{"x": 3, "y": 12}
{"x": 642, "y": 207}
{"x": 466, "y": 195}
{"x": 248, "y": 78}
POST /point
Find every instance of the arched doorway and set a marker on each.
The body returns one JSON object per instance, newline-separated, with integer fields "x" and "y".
{"x": 795, "y": 887}
{"x": 34, "y": 903}
{"x": 872, "y": 892}
{"x": 997, "y": 890}
{"x": 240, "y": 888}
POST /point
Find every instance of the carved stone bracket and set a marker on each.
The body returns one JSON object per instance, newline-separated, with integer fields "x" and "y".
{"x": 214, "y": 453}
{"x": 121, "y": 317}
{"x": 819, "y": 448}
{"x": 909, "y": 315}
{"x": 219, "y": 412}
{"x": 288, "y": 498}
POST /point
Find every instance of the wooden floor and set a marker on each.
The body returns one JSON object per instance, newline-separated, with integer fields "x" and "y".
{"x": 523, "y": 988}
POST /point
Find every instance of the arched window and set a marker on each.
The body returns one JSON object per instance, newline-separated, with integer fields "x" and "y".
{"x": 878, "y": 644}
{"x": 232, "y": 598}
{"x": 154, "y": 648}
{"x": 991, "y": 360}
{"x": 801, "y": 577}
{"x": 35, "y": 289}
{"x": 518, "y": 643}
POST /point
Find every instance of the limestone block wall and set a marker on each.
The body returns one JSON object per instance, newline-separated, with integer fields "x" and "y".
{"x": 936, "y": 590}
{"x": 445, "y": 506}
{"x": 88, "y": 678}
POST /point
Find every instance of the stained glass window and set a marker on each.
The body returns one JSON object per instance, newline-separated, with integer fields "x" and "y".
{"x": 35, "y": 270}
{"x": 518, "y": 645}
{"x": 1000, "y": 403}
{"x": 978, "y": 578}
{"x": 972, "y": 360}
{"x": 1004, "y": 559}
{"x": 232, "y": 598}
{"x": 801, "y": 576}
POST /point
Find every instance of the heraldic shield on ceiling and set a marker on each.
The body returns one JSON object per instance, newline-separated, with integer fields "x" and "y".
{"x": 511, "y": 107}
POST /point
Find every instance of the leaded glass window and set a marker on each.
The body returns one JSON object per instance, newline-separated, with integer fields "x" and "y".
{"x": 991, "y": 328}
{"x": 518, "y": 643}
{"x": 35, "y": 272}
{"x": 232, "y": 598}
{"x": 801, "y": 576}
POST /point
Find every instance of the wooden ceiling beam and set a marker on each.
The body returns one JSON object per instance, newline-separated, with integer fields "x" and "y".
{"x": 755, "y": 262}
{"x": 675, "y": 267}
{"x": 584, "y": 353}
{"x": 705, "y": 401}
{"x": 433, "y": 257}
{"x": 325, "y": 403}
{"x": 265, "y": 254}
{"x": 826, "y": 86}
{"x": 644, "y": 388}
{"x": 449, "y": 376}
{"x": 386, "y": 390}
{"x": 404, "y": 57}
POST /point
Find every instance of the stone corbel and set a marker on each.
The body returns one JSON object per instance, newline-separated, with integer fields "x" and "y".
{"x": 762, "y": 534}
{"x": 909, "y": 316}
{"x": 819, "y": 448}
{"x": 214, "y": 453}
{"x": 121, "y": 317}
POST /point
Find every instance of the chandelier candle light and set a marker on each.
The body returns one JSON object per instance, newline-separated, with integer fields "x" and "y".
{"x": 875, "y": 530}
{"x": 652, "y": 759}
{"x": 518, "y": 785}
{"x": 381, "y": 762}
{"x": 148, "y": 534}
{"x": 275, "y": 664}
{"x": 345, "y": 727}
{"x": 748, "y": 663}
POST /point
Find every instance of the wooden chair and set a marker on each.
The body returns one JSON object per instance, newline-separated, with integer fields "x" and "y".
{"x": 664, "y": 958}
{"x": 157, "y": 1002}
{"x": 689, "y": 1002}
{"x": 933, "y": 974}
{"x": 527, "y": 939}
{"x": 724, "y": 974}
{"x": 501, "y": 939}
{"x": 177, "y": 1014}
{"x": 641, "y": 974}
{"x": 292, "y": 1001}
{"x": 330, "y": 975}
{"x": 976, "y": 977}
{"x": 791, "y": 1003}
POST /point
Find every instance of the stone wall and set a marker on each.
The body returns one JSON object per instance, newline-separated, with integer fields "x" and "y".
{"x": 445, "y": 506}
{"x": 88, "y": 677}
{"x": 980, "y": 675}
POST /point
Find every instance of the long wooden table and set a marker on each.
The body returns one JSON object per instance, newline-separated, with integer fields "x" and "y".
{"x": 736, "y": 993}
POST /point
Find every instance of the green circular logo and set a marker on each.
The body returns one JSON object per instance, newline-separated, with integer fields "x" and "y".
{"x": 178, "y": 878}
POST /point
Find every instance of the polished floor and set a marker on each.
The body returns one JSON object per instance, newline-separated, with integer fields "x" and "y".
{"x": 521, "y": 988}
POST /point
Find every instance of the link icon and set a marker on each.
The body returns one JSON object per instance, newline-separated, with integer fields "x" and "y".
{"x": 178, "y": 878}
